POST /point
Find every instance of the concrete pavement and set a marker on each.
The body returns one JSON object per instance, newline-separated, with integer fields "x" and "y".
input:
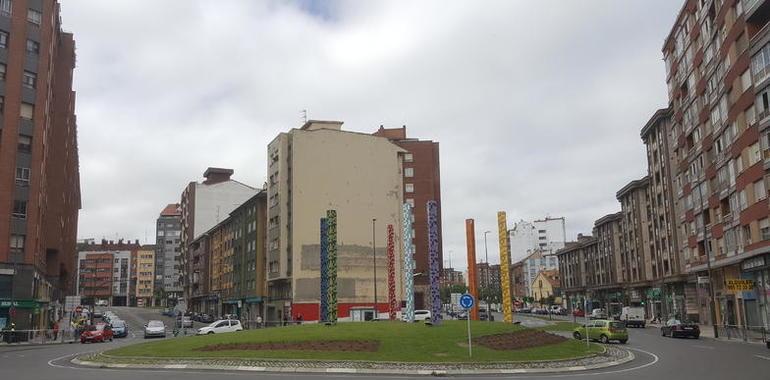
{"x": 656, "y": 358}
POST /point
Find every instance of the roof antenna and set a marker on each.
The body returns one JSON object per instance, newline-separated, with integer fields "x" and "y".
{"x": 304, "y": 116}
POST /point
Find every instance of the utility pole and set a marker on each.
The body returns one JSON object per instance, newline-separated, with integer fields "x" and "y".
{"x": 374, "y": 261}
{"x": 486, "y": 277}
{"x": 712, "y": 301}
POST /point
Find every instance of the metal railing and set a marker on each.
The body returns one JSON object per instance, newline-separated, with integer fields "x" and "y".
{"x": 49, "y": 336}
{"x": 745, "y": 333}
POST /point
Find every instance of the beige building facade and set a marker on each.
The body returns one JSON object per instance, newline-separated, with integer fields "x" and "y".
{"x": 320, "y": 167}
{"x": 145, "y": 276}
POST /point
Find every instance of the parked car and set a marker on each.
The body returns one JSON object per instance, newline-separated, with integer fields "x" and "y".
{"x": 154, "y": 329}
{"x": 483, "y": 315}
{"x": 100, "y": 332}
{"x": 206, "y": 318}
{"x": 421, "y": 315}
{"x": 184, "y": 321}
{"x": 602, "y": 330}
{"x": 598, "y": 314}
{"x": 676, "y": 328}
{"x": 98, "y": 314}
{"x": 524, "y": 310}
{"x": 463, "y": 315}
{"x": 578, "y": 313}
{"x": 102, "y": 303}
{"x": 633, "y": 316}
{"x": 556, "y": 309}
{"x": 119, "y": 328}
{"x": 221, "y": 326}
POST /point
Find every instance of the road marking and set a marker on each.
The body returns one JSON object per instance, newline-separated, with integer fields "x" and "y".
{"x": 704, "y": 347}
{"x": 762, "y": 357}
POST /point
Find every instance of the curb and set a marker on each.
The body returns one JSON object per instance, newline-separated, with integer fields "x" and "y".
{"x": 369, "y": 371}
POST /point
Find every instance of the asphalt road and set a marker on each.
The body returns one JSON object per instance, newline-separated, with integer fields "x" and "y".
{"x": 657, "y": 358}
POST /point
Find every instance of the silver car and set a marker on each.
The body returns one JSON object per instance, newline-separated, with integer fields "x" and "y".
{"x": 154, "y": 329}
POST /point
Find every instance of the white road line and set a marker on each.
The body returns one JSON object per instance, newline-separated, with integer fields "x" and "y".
{"x": 762, "y": 357}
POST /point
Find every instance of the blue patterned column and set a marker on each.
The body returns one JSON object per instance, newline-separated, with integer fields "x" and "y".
{"x": 435, "y": 295}
{"x": 331, "y": 241}
{"x": 408, "y": 261}
{"x": 324, "y": 272}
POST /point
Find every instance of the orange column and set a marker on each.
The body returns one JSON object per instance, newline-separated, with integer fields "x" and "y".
{"x": 470, "y": 241}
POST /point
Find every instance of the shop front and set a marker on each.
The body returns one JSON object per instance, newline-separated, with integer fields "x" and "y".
{"x": 755, "y": 302}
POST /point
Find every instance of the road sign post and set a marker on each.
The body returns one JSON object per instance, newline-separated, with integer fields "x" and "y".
{"x": 466, "y": 302}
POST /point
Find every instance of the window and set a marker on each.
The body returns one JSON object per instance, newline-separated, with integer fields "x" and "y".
{"x": 25, "y": 144}
{"x": 3, "y": 39}
{"x": 764, "y": 228}
{"x": 17, "y": 243}
{"x": 5, "y": 8}
{"x": 22, "y": 176}
{"x": 33, "y": 47}
{"x": 29, "y": 79}
{"x": 409, "y": 187}
{"x": 742, "y": 199}
{"x": 755, "y": 154}
{"x": 34, "y": 16}
{"x": 2, "y": 71}
{"x": 760, "y": 192}
{"x": 760, "y": 64}
{"x": 410, "y": 201}
{"x": 408, "y": 157}
{"x": 27, "y": 111}
{"x": 19, "y": 209}
{"x": 408, "y": 172}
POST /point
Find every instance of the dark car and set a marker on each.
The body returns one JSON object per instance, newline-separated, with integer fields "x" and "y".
{"x": 206, "y": 318}
{"x": 100, "y": 332}
{"x": 676, "y": 328}
{"x": 483, "y": 315}
{"x": 524, "y": 310}
{"x": 98, "y": 314}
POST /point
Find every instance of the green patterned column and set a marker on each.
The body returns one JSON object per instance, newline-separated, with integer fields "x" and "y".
{"x": 331, "y": 240}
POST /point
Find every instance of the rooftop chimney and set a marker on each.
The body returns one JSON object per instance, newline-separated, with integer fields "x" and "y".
{"x": 217, "y": 175}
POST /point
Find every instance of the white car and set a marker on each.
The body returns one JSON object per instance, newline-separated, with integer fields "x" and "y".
{"x": 421, "y": 315}
{"x": 154, "y": 329}
{"x": 221, "y": 326}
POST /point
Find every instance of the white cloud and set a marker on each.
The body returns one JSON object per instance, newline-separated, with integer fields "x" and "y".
{"x": 537, "y": 106}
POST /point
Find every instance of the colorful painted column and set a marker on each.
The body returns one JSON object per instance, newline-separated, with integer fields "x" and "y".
{"x": 435, "y": 265}
{"x": 408, "y": 261}
{"x": 505, "y": 266}
{"x": 470, "y": 244}
{"x": 392, "y": 302}
{"x": 324, "y": 272}
{"x": 331, "y": 242}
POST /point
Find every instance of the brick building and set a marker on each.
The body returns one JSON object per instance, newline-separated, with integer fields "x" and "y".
{"x": 39, "y": 175}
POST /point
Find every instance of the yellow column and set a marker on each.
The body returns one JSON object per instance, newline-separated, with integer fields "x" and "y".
{"x": 505, "y": 267}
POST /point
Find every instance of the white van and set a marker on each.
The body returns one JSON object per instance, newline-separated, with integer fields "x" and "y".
{"x": 633, "y": 316}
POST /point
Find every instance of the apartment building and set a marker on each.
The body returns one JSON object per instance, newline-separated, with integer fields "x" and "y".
{"x": 39, "y": 174}
{"x": 203, "y": 205}
{"x": 450, "y": 276}
{"x": 144, "y": 271}
{"x": 575, "y": 272}
{"x": 717, "y": 75}
{"x": 544, "y": 235}
{"x": 422, "y": 183}
{"x": 536, "y": 261}
{"x": 635, "y": 260}
{"x": 321, "y": 167}
{"x": 488, "y": 275}
{"x": 168, "y": 255}
{"x": 92, "y": 278}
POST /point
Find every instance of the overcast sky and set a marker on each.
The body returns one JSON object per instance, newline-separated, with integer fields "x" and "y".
{"x": 537, "y": 105}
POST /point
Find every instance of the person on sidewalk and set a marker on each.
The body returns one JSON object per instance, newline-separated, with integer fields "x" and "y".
{"x": 55, "y": 330}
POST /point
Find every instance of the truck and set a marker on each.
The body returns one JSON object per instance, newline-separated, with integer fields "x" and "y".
{"x": 633, "y": 316}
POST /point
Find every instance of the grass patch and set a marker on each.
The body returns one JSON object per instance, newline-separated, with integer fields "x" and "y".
{"x": 400, "y": 342}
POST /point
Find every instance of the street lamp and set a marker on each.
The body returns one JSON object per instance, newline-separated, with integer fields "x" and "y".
{"x": 486, "y": 277}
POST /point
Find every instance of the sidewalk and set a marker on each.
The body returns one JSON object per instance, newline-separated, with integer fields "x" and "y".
{"x": 725, "y": 335}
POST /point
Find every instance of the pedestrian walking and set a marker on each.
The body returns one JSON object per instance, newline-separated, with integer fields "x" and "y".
{"x": 55, "y": 330}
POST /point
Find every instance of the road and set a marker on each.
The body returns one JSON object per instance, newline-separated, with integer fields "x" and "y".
{"x": 656, "y": 358}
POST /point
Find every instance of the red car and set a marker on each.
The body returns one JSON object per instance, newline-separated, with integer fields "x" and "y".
{"x": 578, "y": 313}
{"x": 101, "y": 332}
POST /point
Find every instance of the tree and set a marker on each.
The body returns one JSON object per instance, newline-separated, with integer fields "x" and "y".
{"x": 446, "y": 292}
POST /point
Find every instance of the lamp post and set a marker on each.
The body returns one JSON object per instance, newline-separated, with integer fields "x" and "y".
{"x": 712, "y": 301}
{"x": 486, "y": 277}
{"x": 374, "y": 261}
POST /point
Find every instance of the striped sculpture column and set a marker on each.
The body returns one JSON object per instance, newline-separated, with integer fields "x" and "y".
{"x": 435, "y": 295}
{"x": 392, "y": 302}
{"x": 505, "y": 267}
{"x": 408, "y": 261}
{"x": 331, "y": 242}
{"x": 324, "y": 272}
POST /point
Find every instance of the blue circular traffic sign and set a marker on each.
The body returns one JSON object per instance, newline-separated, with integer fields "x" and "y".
{"x": 466, "y": 301}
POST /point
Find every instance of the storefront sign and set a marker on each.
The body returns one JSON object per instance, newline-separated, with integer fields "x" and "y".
{"x": 738, "y": 285}
{"x": 20, "y": 304}
{"x": 703, "y": 280}
{"x": 754, "y": 262}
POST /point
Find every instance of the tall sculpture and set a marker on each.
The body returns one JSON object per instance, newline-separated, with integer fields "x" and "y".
{"x": 392, "y": 302}
{"x": 470, "y": 244}
{"x": 324, "y": 272}
{"x": 408, "y": 261}
{"x": 435, "y": 268}
{"x": 331, "y": 242}
{"x": 505, "y": 266}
